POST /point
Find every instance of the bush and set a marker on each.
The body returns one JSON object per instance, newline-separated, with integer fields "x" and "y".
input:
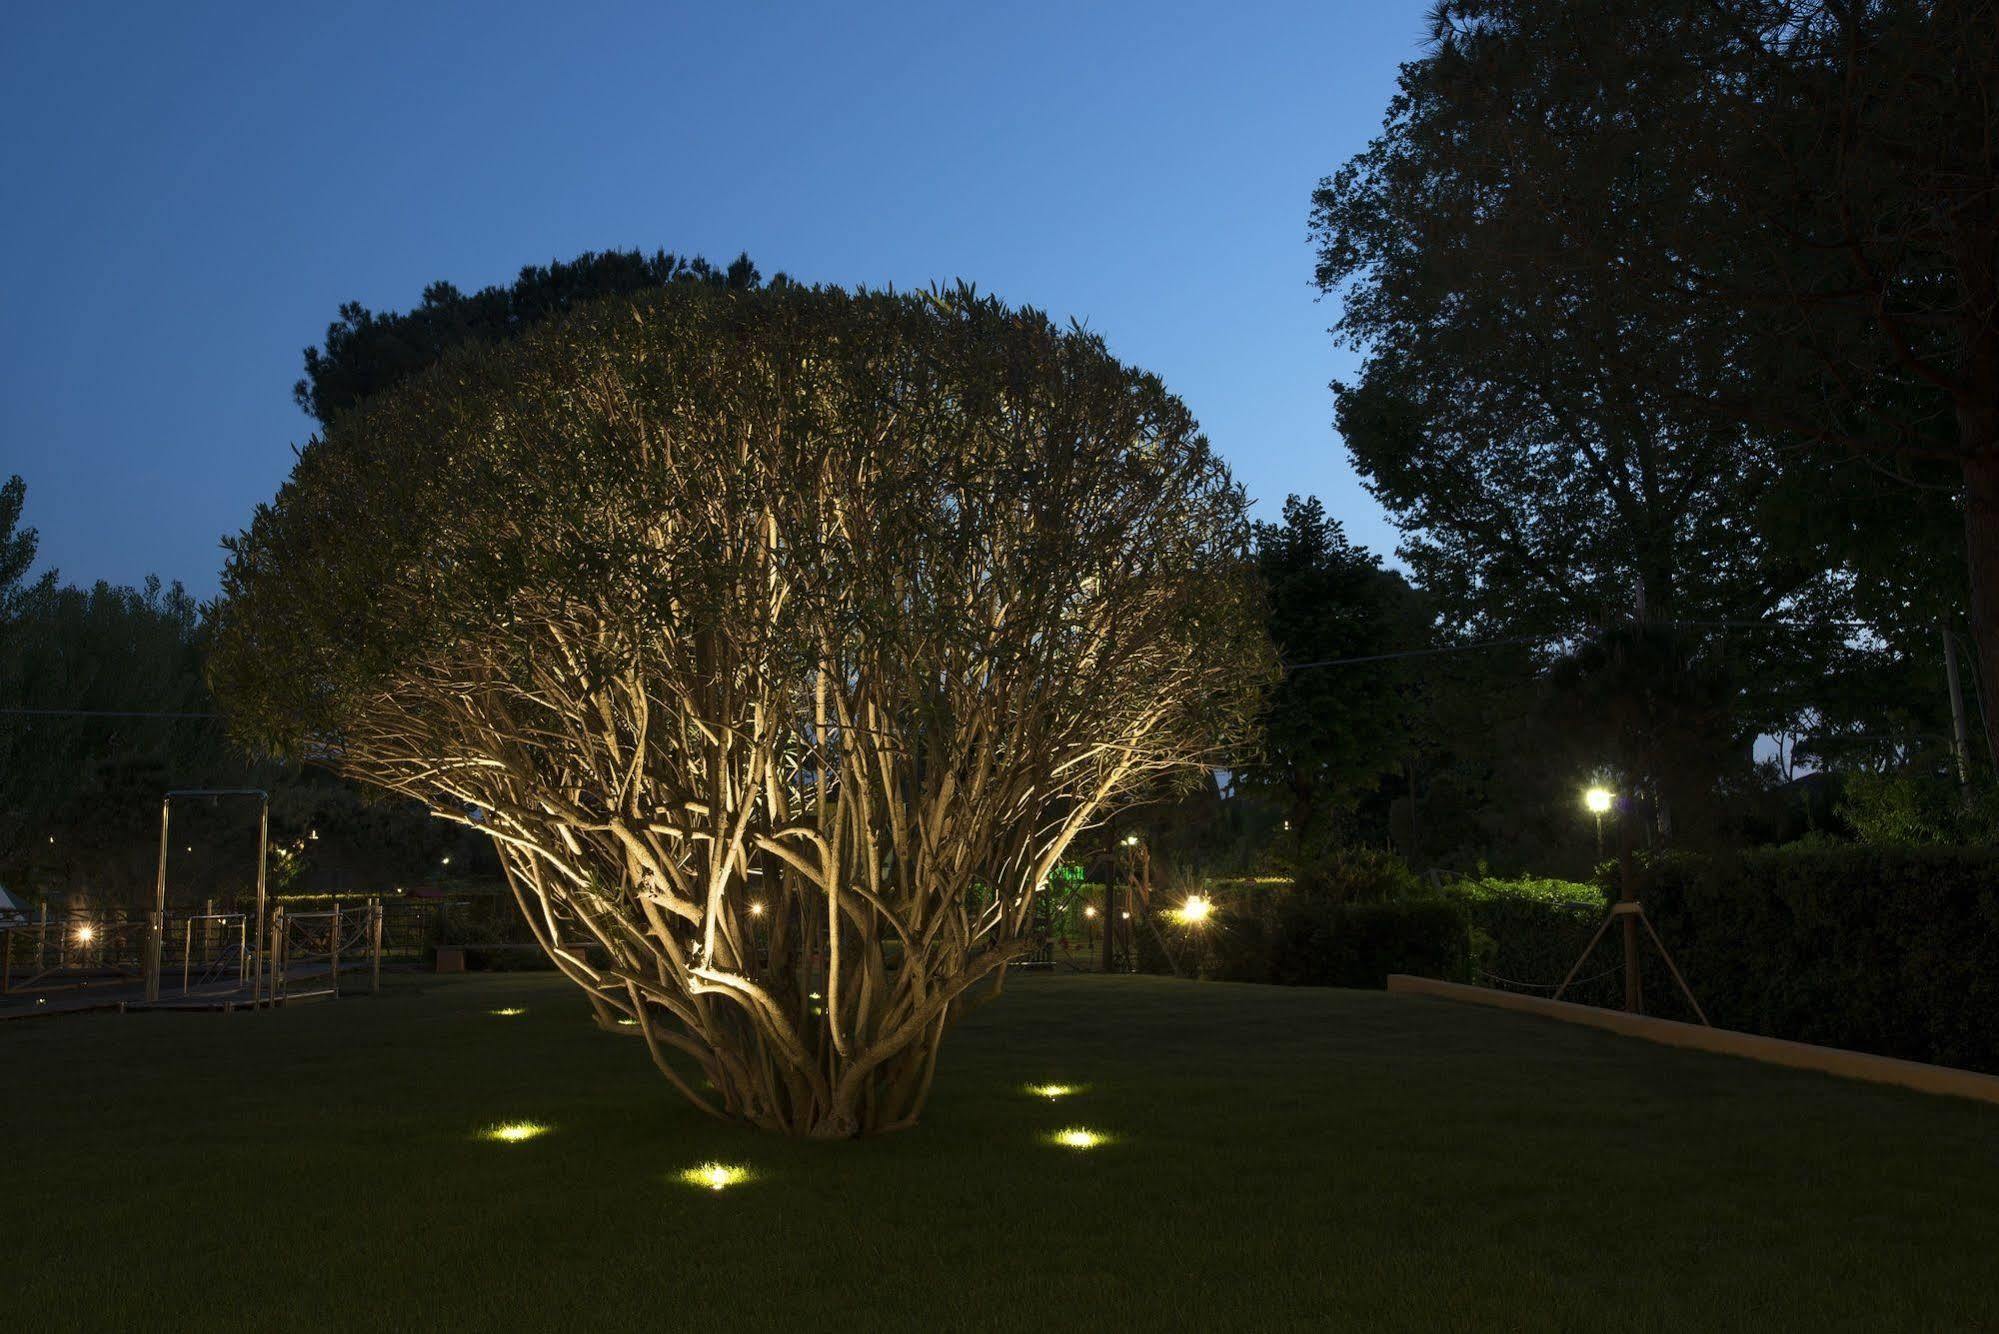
{"x": 1304, "y": 936}
{"x": 1918, "y": 809}
{"x": 1893, "y": 950}
{"x": 1358, "y": 875}
{"x": 1527, "y": 932}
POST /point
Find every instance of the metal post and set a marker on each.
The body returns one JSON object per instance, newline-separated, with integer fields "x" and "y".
{"x": 375, "y": 944}
{"x": 274, "y": 964}
{"x": 333, "y": 951}
{"x": 263, "y": 857}
{"x": 158, "y": 925}
{"x": 42, "y": 939}
{"x": 186, "y": 955}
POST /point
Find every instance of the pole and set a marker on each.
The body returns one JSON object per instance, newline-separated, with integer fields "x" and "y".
{"x": 263, "y": 857}
{"x": 333, "y": 951}
{"x": 158, "y": 925}
{"x": 273, "y": 964}
{"x": 375, "y": 944}
{"x": 186, "y": 954}
{"x": 1960, "y": 745}
{"x": 1634, "y": 992}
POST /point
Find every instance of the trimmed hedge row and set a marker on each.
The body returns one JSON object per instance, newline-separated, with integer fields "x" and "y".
{"x": 1528, "y": 932}
{"x": 1893, "y": 950}
{"x": 1294, "y": 937}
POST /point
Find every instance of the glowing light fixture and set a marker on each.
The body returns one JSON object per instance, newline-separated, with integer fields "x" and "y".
{"x": 1089, "y": 912}
{"x": 514, "y": 1132}
{"x": 1053, "y": 1091}
{"x": 86, "y": 934}
{"x": 509, "y": 1012}
{"x": 1076, "y": 1137}
{"x": 1196, "y": 910}
{"x": 715, "y": 1176}
{"x": 1598, "y": 800}
{"x": 1131, "y": 840}
{"x": 756, "y": 910}
{"x": 628, "y": 1023}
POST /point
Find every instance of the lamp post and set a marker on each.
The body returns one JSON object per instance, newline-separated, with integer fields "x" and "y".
{"x": 1598, "y": 800}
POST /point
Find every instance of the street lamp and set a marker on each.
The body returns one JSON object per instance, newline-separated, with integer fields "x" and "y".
{"x": 1598, "y": 800}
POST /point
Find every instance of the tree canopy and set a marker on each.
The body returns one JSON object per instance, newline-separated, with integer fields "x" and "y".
{"x": 366, "y": 352}
{"x": 782, "y": 640}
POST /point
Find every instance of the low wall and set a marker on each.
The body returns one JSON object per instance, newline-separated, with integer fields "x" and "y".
{"x": 1774, "y": 1051}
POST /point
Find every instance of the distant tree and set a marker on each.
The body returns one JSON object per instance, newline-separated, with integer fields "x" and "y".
{"x": 1774, "y": 216}
{"x": 17, "y": 544}
{"x": 782, "y": 641}
{"x": 366, "y": 353}
{"x": 1330, "y": 733}
{"x": 79, "y": 796}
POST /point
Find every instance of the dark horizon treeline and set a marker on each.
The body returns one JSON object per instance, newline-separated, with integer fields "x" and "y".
{"x": 80, "y": 795}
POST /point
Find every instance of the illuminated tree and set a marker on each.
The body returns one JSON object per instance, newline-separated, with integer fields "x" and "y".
{"x": 780, "y": 640}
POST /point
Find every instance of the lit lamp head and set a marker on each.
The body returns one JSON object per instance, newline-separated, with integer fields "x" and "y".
{"x": 1598, "y": 800}
{"x": 1196, "y": 910}
{"x": 86, "y": 934}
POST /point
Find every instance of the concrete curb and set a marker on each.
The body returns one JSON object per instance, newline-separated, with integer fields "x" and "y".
{"x": 1916, "y": 1075}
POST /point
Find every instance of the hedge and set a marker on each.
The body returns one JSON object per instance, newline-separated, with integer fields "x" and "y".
{"x": 1893, "y": 950}
{"x": 1295, "y": 937}
{"x": 1528, "y": 932}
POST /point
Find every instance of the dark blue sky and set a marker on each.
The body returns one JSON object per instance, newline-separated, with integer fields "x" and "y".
{"x": 191, "y": 191}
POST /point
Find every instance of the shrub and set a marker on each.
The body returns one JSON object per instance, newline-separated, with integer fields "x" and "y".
{"x": 1905, "y": 809}
{"x": 1358, "y": 875}
{"x": 1892, "y": 950}
{"x": 1529, "y": 931}
{"x": 1298, "y": 937}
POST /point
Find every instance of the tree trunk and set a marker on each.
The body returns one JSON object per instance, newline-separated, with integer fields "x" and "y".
{"x": 1981, "y": 553}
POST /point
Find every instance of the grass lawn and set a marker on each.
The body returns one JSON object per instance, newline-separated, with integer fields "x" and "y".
{"x": 1283, "y": 1159}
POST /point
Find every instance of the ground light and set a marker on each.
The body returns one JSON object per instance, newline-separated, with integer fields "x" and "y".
{"x": 1053, "y": 1091}
{"x": 509, "y": 1012}
{"x": 714, "y": 1176}
{"x": 513, "y": 1132}
{"x": 1076, "y": 1137}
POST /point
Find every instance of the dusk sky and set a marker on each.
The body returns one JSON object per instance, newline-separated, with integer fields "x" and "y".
{"x": 193, "y": 190}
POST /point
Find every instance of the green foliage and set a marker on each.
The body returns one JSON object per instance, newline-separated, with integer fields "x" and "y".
{"x": 1529, "y": 931}
{"x": 1884, "y": 949}
{"x": 1919, "y": 809}
{"x": 17, "y": 544}
{"x": 1352, "y": 919}
{"x": 1329, "y": 733}
{"x": 1357, "y": 875}
{"x": 1314, "y": 942}
{"x": 366, "y": 353}
{"x": 80, "y": 796}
